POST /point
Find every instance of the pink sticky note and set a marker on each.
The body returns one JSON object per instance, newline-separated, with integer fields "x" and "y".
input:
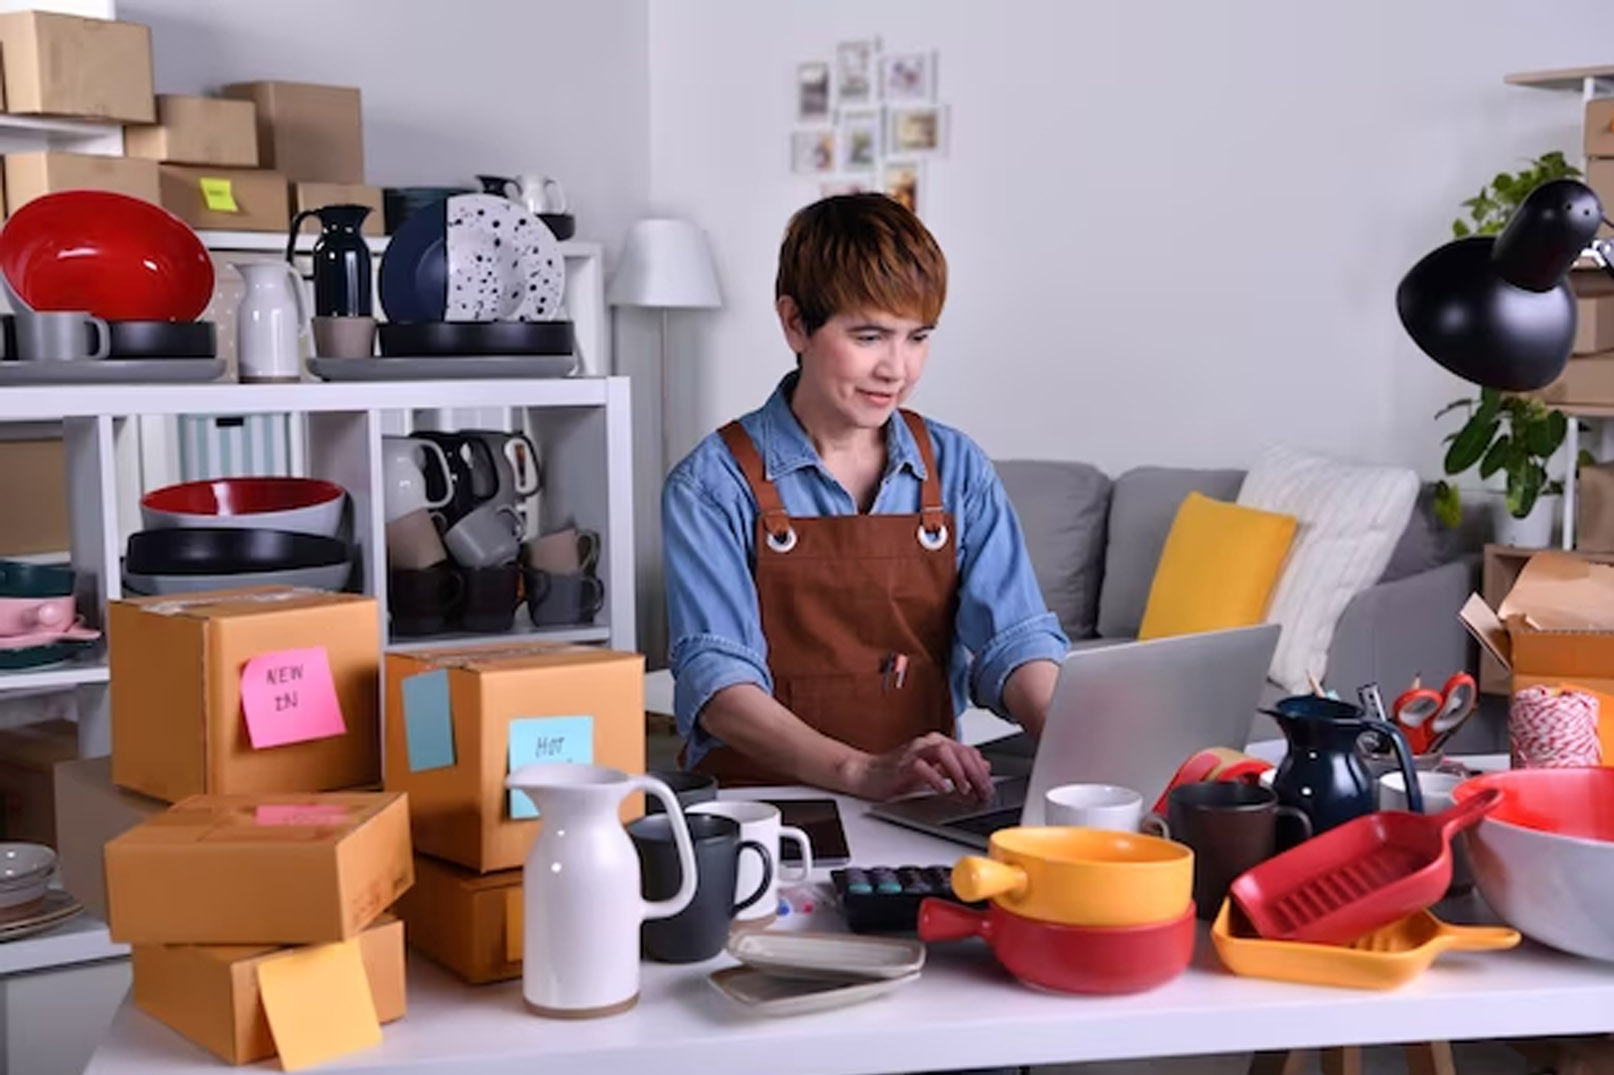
{"x": 288, "y": 697}
{"x": 300, "y": 814}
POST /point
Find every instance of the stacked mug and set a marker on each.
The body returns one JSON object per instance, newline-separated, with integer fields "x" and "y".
{"x": 458, "y": 506}
{"x": 1075, "y": 909}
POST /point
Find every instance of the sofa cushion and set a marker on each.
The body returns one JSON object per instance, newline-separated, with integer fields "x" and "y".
{"x": 1351, "y": 517}
{"x": 1217, "y": 569}
{"x": 1062, "y": 508}
{"x": 1142, "y": 507}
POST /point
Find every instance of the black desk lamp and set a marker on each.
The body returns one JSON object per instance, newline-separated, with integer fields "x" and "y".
{"x": 1498, "y": 311}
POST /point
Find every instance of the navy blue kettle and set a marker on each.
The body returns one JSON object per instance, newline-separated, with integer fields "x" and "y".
{"x": 1324, "y": 774}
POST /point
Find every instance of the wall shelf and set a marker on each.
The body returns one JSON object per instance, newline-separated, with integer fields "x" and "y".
{"x": 56, "y": 677}
{"x": 82, "y": 939}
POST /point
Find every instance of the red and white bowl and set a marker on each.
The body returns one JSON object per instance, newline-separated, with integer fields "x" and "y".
{"x": 299, "y": 505}
{"x": 1544, "y": 858}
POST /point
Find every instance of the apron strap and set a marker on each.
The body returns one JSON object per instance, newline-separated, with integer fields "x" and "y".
{"x": 745, "y": 453}
{"x": 930, "y": 498}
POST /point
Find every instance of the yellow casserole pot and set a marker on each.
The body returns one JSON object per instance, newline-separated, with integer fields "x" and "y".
{"x": 1081, "y": 877}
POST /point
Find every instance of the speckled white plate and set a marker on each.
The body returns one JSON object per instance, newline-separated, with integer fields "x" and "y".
{"x": 504, "y": 264}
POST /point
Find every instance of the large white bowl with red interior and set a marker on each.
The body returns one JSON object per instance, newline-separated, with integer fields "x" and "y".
{"x": 1544, "y": 858}
{"x": 300, "y": 505}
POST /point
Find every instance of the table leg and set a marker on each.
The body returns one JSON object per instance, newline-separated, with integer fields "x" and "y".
{"x": 1430, "y": 1058}
{"x": 1343, "y": 1060}
{"x": 1278, "y": 1063}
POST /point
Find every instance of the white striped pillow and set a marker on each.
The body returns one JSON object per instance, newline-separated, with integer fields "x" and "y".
{"x": 1350, "y": 518}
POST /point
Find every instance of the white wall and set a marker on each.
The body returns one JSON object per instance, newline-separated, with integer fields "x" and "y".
{"x": 1175, "y": 229}
{"x": 450, "y": 89}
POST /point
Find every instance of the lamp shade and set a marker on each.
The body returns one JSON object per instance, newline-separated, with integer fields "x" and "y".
{"x": 1499, "y": 312}
{"x": 666, "y": 264}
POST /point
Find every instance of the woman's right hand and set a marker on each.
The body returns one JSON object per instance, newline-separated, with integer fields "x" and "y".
{"x": 934, "y": 761}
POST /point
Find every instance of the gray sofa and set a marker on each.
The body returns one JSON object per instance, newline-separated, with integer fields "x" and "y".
{"x": 1094, "y": 543}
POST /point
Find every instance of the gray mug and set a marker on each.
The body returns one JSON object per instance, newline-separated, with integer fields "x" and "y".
{"x": 487, "y": 535}
{"x": 563, "y": 600}
{"x": 57, "y": 336}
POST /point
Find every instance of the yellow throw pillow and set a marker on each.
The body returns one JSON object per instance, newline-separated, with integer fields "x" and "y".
{"x": 1218, "y": 568}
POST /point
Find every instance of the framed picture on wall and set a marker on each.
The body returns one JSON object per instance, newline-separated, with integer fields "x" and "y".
{"x": 903, "y": 181}
{"x": 908, "y": 77}
{"x": 812, "y": 151}
{"x": 855, "y": 184}
{"x": 812, "y": 92}
{"x": 855, "y": 71}
{"x": 914, "y": 130}
{"x": 859, "y": 139}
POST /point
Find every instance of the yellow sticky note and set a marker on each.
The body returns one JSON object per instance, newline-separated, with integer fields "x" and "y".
{"x": 514, "y": 916}
{"x": 218, "y": 195}
{"x": 318, "y": 1003}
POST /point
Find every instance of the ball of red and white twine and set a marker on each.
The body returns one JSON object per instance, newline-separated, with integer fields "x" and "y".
{"x": 1551, "y": 727}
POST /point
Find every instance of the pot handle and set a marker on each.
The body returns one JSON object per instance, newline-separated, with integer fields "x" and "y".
{"x": 1467, "y": 812}
{"x": 686, "y": 851}
{"x": 1403, "y": 755}
{"x": 944, "y": 920}
{"x": 976, "y": 878}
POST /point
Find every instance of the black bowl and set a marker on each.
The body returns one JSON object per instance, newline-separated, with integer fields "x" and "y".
{"x": 564, "y": 225}
{"x": 418, "y": 339}
{"x": 19, "y": 578}
{"x": 209, "y": 550}
{"x": 163, "y": 339}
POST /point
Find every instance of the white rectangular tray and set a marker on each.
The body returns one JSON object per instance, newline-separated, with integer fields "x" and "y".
{"x": 821, "y": 955}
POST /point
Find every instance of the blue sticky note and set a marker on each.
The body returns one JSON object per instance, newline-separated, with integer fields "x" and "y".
{"x": 551, "y": 740}
{"x": 428, "y": 721}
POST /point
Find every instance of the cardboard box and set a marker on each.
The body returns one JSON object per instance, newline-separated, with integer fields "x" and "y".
{"x": 316, "y": 195}
{"x": 179, "y": 721}
{"x": 31, "y": 175}
{"x": 468, "y": 922}
{"x": 1600, "y": 177}
{"x": 1600, "y": 127}
{"x": 90, "y": 810}
{"x": 1554, "y": 628}
{"x": 33, "y": 472}
{"x": 29, "y": 754}
{"x": 259, "y": 869}
{"x": 307, "y": 131}
{"x": 1585, "y": 379}
{"x": 246, "y": 199}
{"x": 63, "y": 65}
{"x": 209, "y": 993}
{"x": 198, "y": 130}
{"x": 579, "y": 703}
{"x": 1594, "y": 324}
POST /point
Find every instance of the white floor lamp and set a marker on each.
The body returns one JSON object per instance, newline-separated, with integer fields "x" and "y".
{"x": 665, "y": 265}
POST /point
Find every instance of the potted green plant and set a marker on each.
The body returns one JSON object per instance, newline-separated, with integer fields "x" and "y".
{"x": 1514, "y": 437}
{"x": 1490, "y": 209}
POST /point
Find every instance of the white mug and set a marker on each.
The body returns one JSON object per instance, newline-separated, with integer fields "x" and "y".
{"x": 404, "y": 479}
{"x": 541, "y": 194}
{"x": 1093, "y": 806}
{"x": 761, "y": 822}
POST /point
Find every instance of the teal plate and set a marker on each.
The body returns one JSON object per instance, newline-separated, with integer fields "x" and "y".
{"x": 39, "y": 656}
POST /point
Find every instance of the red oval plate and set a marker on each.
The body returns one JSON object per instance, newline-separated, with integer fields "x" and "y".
{"x": 115, "y": 256}
{"x": 241, "y": 496}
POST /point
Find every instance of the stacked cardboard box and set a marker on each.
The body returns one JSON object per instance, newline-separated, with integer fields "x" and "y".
{"x": 1589, "y": 377}
{"x": 458, "y": 721}
{"x": 268, "y": 881}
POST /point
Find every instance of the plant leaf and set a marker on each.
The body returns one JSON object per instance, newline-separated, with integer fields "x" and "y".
{"x": 1495, "y": 456}
{"x": 1470, "y": 444}
{"x": 1546, "y": 435}
{"x": 1448, "y": 506}
{"x": 1452, "y": 406}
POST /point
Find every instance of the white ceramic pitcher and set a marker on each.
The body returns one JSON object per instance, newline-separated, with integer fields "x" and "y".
{"x": 270, "y": 322}
{"x": 581, "y": 902}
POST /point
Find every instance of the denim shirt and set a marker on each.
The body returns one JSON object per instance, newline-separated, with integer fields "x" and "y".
{"x": 709, "y": 519}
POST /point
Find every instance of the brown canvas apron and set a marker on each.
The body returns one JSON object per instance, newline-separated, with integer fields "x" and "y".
{"x": 858, "y": 614}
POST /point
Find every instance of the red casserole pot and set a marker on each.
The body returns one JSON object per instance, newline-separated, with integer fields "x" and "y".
{"x": 1068, "y": 959}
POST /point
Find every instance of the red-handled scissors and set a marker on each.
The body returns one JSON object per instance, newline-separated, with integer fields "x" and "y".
{"x": 1425, "y": 715}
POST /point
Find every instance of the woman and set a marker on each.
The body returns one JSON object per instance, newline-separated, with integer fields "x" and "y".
{"x": 842, "y": 575}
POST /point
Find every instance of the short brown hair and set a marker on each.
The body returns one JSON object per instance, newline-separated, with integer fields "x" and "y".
{"x": 860, "y": 252}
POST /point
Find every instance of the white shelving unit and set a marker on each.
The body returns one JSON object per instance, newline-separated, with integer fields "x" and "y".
{"x": 1588, "y": 83}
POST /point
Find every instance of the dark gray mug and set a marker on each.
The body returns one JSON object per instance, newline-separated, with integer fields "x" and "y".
{"x": 699, "y": 931}
{"x": 563, "y": 600}
{"x": 689, "y": 787}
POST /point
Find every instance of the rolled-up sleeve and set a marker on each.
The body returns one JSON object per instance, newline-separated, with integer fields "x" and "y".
{"x": 714, "y": 627}
{"x": 1002, "y": 617}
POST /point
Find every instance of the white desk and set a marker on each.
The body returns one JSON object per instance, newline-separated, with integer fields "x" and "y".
{"x": 963, "y": 1012}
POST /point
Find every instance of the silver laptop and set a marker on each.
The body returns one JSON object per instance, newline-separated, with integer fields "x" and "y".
{"x": 1127, "y": 714}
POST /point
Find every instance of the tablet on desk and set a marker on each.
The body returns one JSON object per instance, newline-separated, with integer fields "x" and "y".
{"x": 820, "y": 819}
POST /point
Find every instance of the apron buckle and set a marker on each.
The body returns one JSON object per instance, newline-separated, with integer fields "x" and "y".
{"x": 931, "y": 540}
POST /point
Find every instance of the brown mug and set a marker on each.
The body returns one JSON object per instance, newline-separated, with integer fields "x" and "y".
{"x": 1231, "y": 828}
